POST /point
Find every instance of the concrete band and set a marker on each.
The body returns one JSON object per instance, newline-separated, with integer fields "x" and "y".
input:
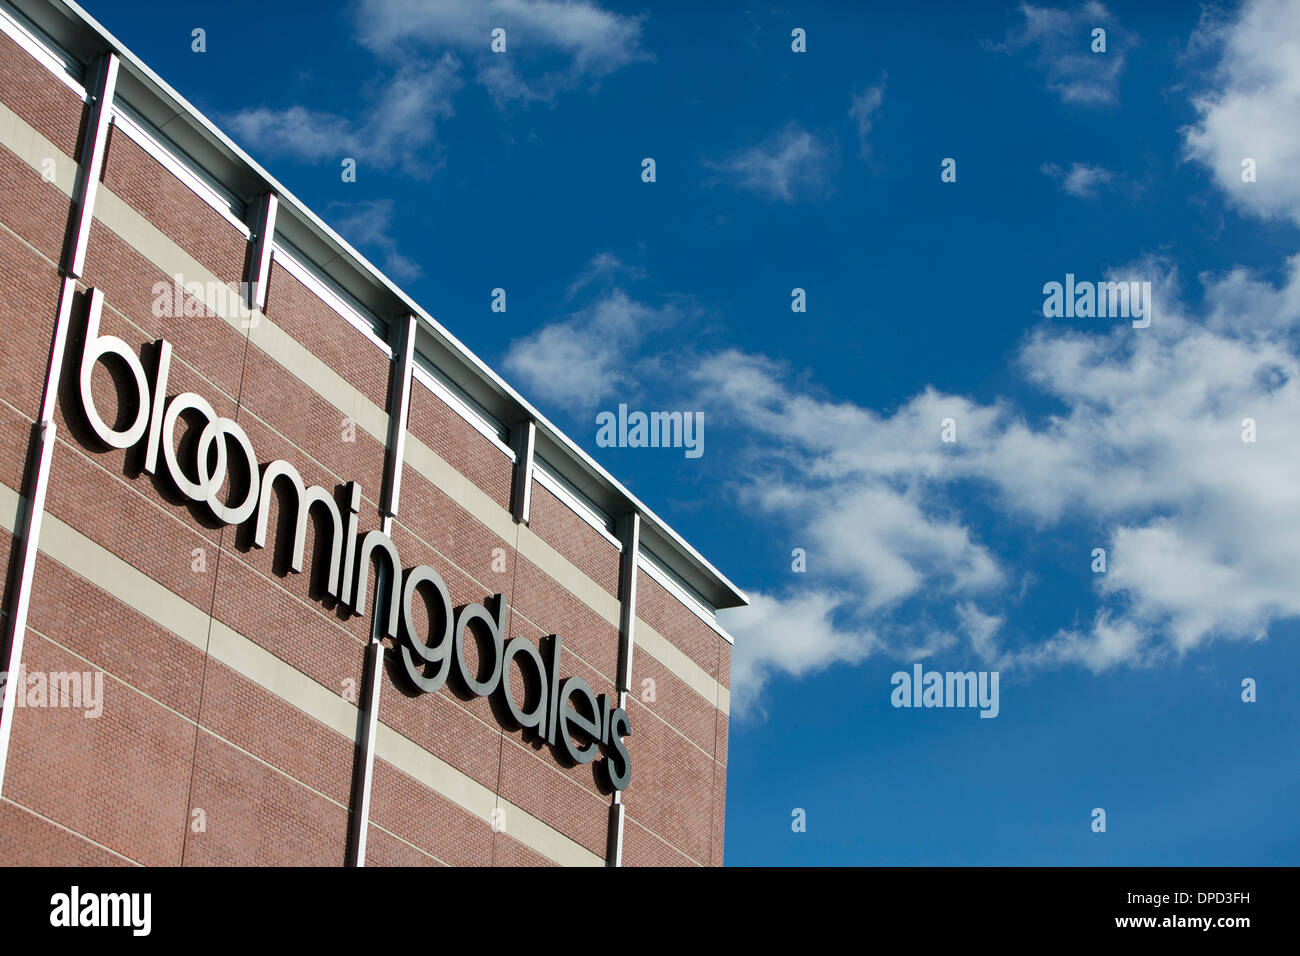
{"x": 36, "y": 473}
{"x": 111, "y": 574}
{"x": 293, "y": 357}
{"x": 296, "y": 360}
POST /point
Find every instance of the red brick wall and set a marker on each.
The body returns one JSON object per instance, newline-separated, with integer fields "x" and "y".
{"x": 462, "y": 447}
{"x": 151, "y": 190}
{"x": 585, "y": 547}
{"x": 114, "y": 778}
{"x": 35, "y": 209}
{"x": 181, "y": 732}
{"x": 670, "y": 618}
{"x": 685, "y": 743}
{"x": 327, "y": 335}
{"x": 45, "y": 104}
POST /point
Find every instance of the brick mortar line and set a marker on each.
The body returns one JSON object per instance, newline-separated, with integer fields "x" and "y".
{"x": 325, "y": 616}
{"x": 54, "y": 265}
{"x": 371, "y": 501}
{"x": 433, "y": 856}
{"x": 547, "y": 765}
{"x": 198, "y": 725}
{"x": 676, "y": 849}
{"x": 319, "y": 612}
{"x": 68, "y": 830}
{"x": 240, "y": 406}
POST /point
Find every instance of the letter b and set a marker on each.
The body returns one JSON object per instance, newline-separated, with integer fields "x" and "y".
{"x": 97, "y": 346}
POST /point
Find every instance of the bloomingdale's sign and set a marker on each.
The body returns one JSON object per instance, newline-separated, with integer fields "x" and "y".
{"x": 426, "y": 660}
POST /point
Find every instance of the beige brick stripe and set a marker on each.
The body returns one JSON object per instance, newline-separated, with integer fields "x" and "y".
{"x": 111, "y": 574}
{"x": 134, "y": 229}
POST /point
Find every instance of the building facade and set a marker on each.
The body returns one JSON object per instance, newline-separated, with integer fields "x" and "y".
{"x": 292, "y": 576}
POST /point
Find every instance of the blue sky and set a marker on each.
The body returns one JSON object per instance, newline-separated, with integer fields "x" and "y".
{"x": 821, "y": 170}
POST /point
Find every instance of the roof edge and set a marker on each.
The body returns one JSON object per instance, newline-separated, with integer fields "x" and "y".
{"x": 84, "y": 37}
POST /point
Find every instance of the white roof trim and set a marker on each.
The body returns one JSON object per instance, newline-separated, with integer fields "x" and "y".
{"x": 446, "y": 393}
{"x": 325, "y": 291}
{"x": 79, "y": 31}
{"x": 680, "y": 590}
{"x": 66, "y": 70}
{"x": 125, "y": 119}
{"x": 571, "y": 497}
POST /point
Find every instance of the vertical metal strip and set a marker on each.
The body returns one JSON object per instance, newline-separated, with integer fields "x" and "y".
{"x": 359, "y": 825}
{"x": 44, "y": 434}
{"x": 616, "y": 815}
{"x": 262, "y": 227}
{"x": 27, "y": 529}
{"x": 629, "y": 533}
{"x": 92, "y": 164}
{"x": 399, "y": 403}
{"x": 523, "y": 437}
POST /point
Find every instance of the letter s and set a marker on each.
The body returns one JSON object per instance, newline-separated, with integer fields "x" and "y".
{"x": 618, "y": 765}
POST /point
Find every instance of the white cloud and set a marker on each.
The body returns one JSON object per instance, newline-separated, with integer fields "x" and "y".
{"x": 794, "y": 636}
{"x": 1202, "y": 529}
{"x": 1251, "y": 112}
{"x": 789, "y": 164}
{"x": 432, "y": 39}
{"x": 862, "y": 112}
{"x": 1145, "y": 455}
{"x": 586, "y": 358}
{"x": 602, "y": 268}
{"x": 1081, "y": 179}
{"x": 368, "y": 225}
{"x": 1063, "y": 40}
{"x": 980, "y": 629}
{"x": 1108, "y": 643}
{"x": 399, "y": 129}
{"x": 592, "y": 41}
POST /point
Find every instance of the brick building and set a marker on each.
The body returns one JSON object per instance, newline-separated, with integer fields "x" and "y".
{"x": 192, "y": 359}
